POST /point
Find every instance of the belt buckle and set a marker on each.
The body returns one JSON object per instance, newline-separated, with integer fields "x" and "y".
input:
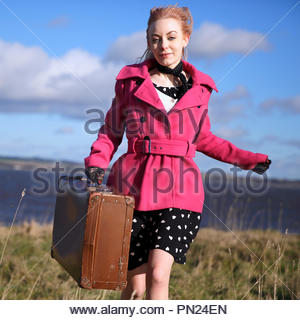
{"x": 190, "y": 150}
{"x": 144, "y": 148}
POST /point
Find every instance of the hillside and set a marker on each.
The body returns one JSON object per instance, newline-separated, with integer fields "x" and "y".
{"x": 19, "y": 163}
{"x": 220, "y": 265}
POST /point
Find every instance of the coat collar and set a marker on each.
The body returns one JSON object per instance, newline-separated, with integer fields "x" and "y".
{"x": 147, "y": 92}
{"x": 141, "y": 70}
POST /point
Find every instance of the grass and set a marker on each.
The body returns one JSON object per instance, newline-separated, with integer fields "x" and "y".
{"x": 220, "y": 265}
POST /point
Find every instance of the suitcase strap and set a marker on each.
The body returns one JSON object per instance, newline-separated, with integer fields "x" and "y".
{"x": 89, "y": 242}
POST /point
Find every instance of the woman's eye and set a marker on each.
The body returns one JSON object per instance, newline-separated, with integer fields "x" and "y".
{"x": 156, "y": 40}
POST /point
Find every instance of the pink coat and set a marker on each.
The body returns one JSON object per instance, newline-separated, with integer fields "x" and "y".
{"x": 158, "y": 168}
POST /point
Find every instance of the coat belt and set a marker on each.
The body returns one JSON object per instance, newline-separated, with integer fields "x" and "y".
{"x": 181, "y": 148}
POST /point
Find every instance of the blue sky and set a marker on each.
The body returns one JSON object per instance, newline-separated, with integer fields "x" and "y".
{"x": 60, "y": 59}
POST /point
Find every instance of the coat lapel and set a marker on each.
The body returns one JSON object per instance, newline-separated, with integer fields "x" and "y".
{"x": 146, "y": 91}
{"x": 192, "y": 98}
{"x": 196, "y": 96}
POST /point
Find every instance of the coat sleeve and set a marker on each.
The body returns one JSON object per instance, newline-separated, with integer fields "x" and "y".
{"x": 223, "y": 150}
{"x": 110, "y": 134}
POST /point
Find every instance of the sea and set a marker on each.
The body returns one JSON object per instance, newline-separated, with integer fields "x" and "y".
{"x": 230, "y": 204}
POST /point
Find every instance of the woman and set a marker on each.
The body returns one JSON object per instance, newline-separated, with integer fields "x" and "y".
{"x": 162, "y": 104}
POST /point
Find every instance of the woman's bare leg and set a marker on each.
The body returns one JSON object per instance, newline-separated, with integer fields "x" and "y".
{"x": 136, "y": 283}
{"x": 158, "y": 274}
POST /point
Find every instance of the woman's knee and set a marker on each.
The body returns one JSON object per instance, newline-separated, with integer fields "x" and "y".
{"x": 159, "y": 275}
{"x": 159, "y": 267}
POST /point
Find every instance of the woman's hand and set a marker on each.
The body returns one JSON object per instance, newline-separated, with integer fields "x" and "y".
{"x": 95, "y": 174}
{"x": 262, "y": 166}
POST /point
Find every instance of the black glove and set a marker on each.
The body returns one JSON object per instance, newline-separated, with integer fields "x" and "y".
{"x": 262, "y": 166}
{"x": 95, "y": 174}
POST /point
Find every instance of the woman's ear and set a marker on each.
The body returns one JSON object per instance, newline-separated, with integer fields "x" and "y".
{"x": 186, "y": 40}
{"x": 148, "y": 43}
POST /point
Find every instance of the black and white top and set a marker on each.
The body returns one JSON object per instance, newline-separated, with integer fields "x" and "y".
{"x": 170, "y": 95}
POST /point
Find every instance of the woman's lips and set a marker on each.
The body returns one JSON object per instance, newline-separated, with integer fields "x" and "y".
{"x": 165, "y": 54}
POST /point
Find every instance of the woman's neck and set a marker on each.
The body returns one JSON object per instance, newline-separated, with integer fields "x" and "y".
{"x": 165, "y": 80}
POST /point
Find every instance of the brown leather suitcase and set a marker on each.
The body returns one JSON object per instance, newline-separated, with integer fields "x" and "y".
{"x": 91, "y": 236}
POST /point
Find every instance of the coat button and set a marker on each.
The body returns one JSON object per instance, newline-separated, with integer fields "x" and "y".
{"x": 139, "y": 82}
{"x": 199, "y": 107}
{"x": 142, "y": 119}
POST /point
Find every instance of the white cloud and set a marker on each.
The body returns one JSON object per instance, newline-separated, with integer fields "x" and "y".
{"x": 31, "y": 81}
{"x": 230, "y": 133}
{"x": 127, "y": 48}
{"x": 291, "y": 105}
{"x": 292, "y": 142}
{"x": 212, "y": 40}
{"x": 282, "y": 141}
{"x": 209, "y": 41}
{"x": 57, "y": 22}
{"x": 286, "y": 167}
{"x": 65, "y": 130}
{"x": 230, "y": 105}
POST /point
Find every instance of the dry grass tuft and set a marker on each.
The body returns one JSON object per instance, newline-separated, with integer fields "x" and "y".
{"x": 220, "y": 265}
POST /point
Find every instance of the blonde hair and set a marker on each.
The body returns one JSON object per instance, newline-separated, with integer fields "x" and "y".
{"x": 182, "y": 14}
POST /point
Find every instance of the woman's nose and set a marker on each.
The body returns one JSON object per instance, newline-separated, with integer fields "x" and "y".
{"x": 164, "y": 43}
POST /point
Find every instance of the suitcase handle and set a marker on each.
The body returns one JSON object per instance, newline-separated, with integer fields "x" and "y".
{"x": 92, "y": 186}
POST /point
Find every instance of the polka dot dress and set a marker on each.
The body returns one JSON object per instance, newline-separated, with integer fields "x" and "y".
{"x": 174, "y": 92}
{"x": 170, "y": 229}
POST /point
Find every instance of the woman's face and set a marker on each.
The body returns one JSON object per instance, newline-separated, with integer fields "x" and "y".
{"x": 166, "y": 41}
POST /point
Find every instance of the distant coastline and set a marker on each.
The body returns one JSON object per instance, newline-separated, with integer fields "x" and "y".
{"x": 27, "y": 164}
{"x": 230, "y": 201}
